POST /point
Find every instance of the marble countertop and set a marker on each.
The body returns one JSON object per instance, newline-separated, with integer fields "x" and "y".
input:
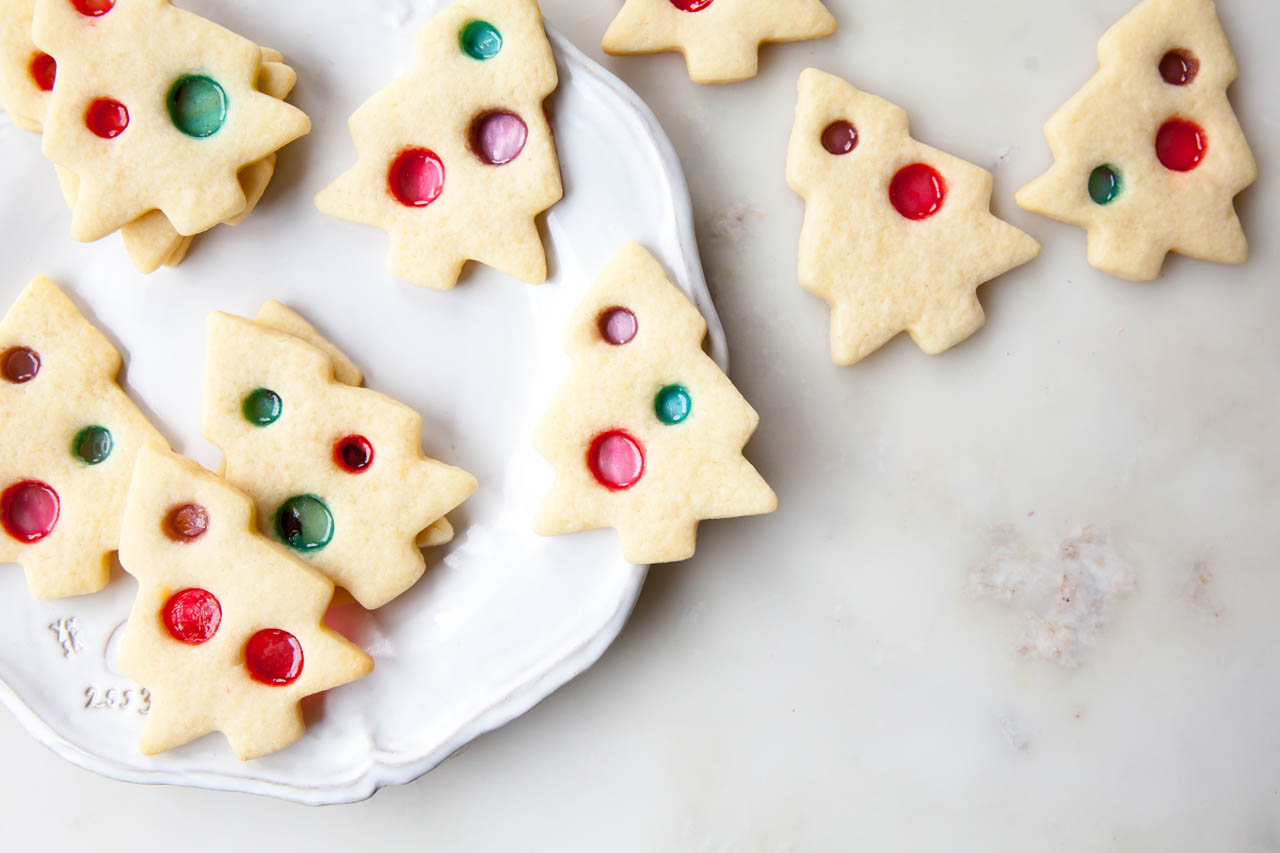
{"x": 1018, "y": 597}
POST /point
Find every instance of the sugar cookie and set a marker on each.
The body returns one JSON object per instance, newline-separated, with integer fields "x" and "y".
{"x": 226, "y": 632}
{"x": 720, "y": 39}
{"x": 337, "y": 471}
{"x": 456, "y": 158}
{"x": 897, "y": 235}
{"x": 1148, "y": 156}
{"x": 646, "y": 434}
{"x": 68, "y": 438}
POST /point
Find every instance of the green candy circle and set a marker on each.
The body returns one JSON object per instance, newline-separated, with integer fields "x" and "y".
{"x": 262, "y": 407}
{"x": 480, "y": 40}
{"x": 92, "y": 445}
{"x": 197, "y": 105}
{"x": 1105, "y": 184}
{"x": 304, "y": 523}
{"x": 673, "y": 405}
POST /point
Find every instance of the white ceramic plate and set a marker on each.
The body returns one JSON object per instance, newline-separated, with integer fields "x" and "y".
{"x": 505, "y": 617}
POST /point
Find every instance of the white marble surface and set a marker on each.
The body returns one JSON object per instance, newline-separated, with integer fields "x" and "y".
{"x": 841, "y": 675}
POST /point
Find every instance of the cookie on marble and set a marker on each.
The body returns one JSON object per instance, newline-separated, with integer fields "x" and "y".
{"x": 337, "y": 470}
{"x": 456, "y": 159}
{"x": 897, "y": 235}
{"x": 68, "y": 438}
{"x": 646, "y": 434}
{"x": 720, "y": 39}
{"x": 226, "y": 632}
{"x": 1149, "y": 156}
{"x": 141, "y": 130}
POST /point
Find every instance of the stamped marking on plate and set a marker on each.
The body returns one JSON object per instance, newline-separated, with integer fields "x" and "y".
{"x": 117, "y": 699}
{"x": 67, "y": 632}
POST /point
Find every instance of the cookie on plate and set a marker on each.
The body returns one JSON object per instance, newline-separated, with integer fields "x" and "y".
{"x": 226, "y": 632}
{"x": 1149, "y": 156}
{"x": 646, "y": 434}
{"x": 720, "y": 39}
{"x": 68, "y": 438}
{"x": 456, "y": 158}
{"x": 337, "y": 470}
{"x": 897, "y": 235}
{"x": 142, "y": 131}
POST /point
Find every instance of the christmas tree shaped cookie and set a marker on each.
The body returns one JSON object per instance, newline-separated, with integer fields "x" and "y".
{"x": 68, "y": 439}
{"x": 897, "y": 235}
{"x": 26, "y": 72}
{"x": 646, "y": 435}
{"x": 155, "y": 109}
{"x": 337, "y": 471}
{"x": 1148, "y": 156}
{"x": 226, "y": 631}
{"x": 720, "y": 39}
{"x": 456, "y": 158}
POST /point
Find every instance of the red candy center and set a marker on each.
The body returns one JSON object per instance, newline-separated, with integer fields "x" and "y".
{"x": 43, "y": 70}
{"x": 192, "y": 616}
{"x": 93, "y": 8}
{"x": 616, "y": 459}
{"x": 416, "y": 178}
{"x": 618, "y": 326}
{"x": 20, "y": 364}
{"x": 840, "y": 137}
{"x": 691, "y": 5}
{"x": 353, "y": 453}
{"x": 107, "y": 118}
{"x": 917, "y": 191}
{"x": 1179, "y": 67}
{"x": 1180, "y": 145}
{"x": 29, "y": 510}
{"x": 274, "y": 657}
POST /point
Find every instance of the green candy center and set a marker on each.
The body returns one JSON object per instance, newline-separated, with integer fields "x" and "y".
{"x": 480, "y": 40}
{"x": 672, "y": 405}
{"x": 92, "y": 445}
{"x": 197, "y": 105}
{"x": 304, "y": 523}
{"x": 262, "y": 407}
{"x": 1105, "y": 184}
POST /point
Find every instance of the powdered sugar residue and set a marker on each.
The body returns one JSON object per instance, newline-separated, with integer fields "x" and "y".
{"x": 733, "y": 223}
{"x": 1068, "y": 596}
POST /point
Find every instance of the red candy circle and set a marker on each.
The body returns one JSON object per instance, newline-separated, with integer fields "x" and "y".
{"x": 416, "y": 177}
{"x": 29, "y": 510}
{"x": 273, "y": 657}
{"x": 618, "y": 326}
{"x": 192, "y": 616}
{"x": 93, "y": 8}
{"x": 917, "y": 191}
{"x": 20, "y": 364}
{"x": 616, "y": 460}
{"x": 43, "y": 70}
{"x": 840, "y": 137}
{"x": 107, "y": 118}
{"x": 691, "y": 5}
{"x": 353, "y": 453}
{"x": 1180, "y": 145}
{"x": 1179, "y": 67}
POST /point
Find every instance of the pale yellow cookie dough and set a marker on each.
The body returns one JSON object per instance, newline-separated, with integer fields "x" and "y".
{"x": 75, "y": 388}
{"x": 22, "y": 98}
{"x": 377, "y": 513}
{"x": 484, "y": 212}
{"x": 720, "y": 41}
{"x": 692, "y": 470}
{"x": 1114, "y": 122}
{"x": 133, "y": 54}
{"x": 881, "y": 272}
{"x": 200, "y": 688}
